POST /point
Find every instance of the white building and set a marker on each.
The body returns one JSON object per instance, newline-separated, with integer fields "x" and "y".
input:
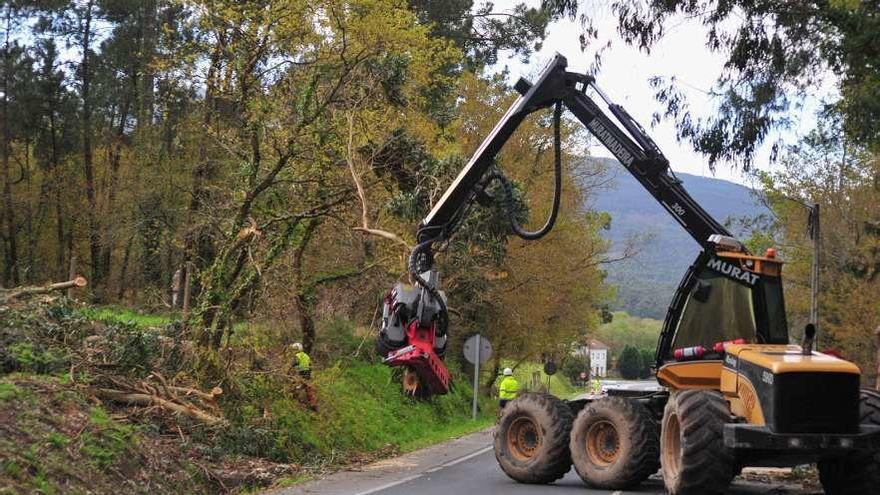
{"x": 598, "y": 358}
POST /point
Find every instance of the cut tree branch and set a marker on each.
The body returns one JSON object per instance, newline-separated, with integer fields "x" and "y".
{"x": 365, "y": 217}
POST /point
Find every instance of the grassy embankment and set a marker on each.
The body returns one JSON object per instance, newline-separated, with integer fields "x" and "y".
{"x": 59, "y": 438}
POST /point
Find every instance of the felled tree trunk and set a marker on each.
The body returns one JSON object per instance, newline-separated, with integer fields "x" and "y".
{"x": 141, "y": 399}
{"x": 19, "y": 292}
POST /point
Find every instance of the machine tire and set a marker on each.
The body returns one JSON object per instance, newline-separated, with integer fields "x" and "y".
{"x": 615, "y": 444}
{"x": 692, "y": 453}
{"x": 858, "y": 473}
{"x": 531, "y": 438}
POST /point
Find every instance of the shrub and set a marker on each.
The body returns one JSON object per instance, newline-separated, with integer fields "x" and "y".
{"x": 36, "y": 358}
{"x": 574, "y": 366}
{"x": 630, "y": 363}
{"x": 647, "y": 361}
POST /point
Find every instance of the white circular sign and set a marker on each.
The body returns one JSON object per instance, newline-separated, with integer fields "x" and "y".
{"x": 470, "y": 349}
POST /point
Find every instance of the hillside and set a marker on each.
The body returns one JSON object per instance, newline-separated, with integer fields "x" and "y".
{"x": 646, "y": 282}
{"x": 91, "y": 401}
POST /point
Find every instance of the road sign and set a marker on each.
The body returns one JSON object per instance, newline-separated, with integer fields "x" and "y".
{"x": 470, "y": 349}
{"x": 477, "y": 350}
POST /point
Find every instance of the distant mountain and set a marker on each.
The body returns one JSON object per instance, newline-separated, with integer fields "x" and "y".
{"x": 647, "y": 281}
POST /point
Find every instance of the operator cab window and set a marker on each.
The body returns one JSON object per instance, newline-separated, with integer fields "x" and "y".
{"x": 717, "y": 309}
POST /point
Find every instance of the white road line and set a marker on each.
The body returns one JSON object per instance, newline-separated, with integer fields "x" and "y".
{"x": 389, "y": 485}
{"x": 618, "y": 492}
{"x": 432, "y": 470}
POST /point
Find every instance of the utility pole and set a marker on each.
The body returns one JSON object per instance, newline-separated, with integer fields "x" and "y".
{"x": 814, "y": 273}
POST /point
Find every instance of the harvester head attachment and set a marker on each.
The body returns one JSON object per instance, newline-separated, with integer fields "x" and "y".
{"x": 425, "y": 372}
{"x": 410, "y": 338}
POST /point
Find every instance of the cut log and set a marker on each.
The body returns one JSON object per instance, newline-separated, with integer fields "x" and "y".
{"x": 141, "y": 399}
{"x": 208, "y": 396}
{"x": 18, "y": 292}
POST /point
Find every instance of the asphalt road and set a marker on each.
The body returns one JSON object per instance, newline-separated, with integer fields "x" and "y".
{"x": 467, "y": 466}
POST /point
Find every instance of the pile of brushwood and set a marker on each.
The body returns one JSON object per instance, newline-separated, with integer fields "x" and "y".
{"x": 94, "y": 406}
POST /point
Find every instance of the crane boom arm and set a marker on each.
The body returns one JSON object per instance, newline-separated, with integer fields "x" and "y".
{"x": 629, "y": 144}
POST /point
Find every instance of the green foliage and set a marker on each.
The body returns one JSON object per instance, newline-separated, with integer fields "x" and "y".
{"x": 336, "y": 337}
{"x": 111, "y": 439}
{"x": 125, "y": 316}
{"x": 647, "y": 358}
{"x": 12, "y": 468}
{"x": 58, "y": 440}
{"x": 630, "y": 363}
{"x": 829, "y": 169}
{"x": 623, "y": 330}
{"x": 574, "y": 366}
{"x": 37, "y": 359}
{"x": 478, "y": 30}
{"x": 361, "y": 410}
{"x": 133, "y": 348}
{"x": 8, "y": 391}
{"x": 774, "y": 58}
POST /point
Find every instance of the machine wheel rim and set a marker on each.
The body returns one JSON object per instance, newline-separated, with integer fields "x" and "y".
{"x": 671, "y": 446}
{"x": 603, "y": 443}
{"x": 524, "y": 438}
{"x": 410, "y": 382}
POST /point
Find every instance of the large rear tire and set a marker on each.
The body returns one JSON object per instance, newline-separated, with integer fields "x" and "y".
{"x": 692, "y": 454}
{"x": 858, "y": 473}
{"x": 615, "y": 444}
{"x": 531, "y": 438}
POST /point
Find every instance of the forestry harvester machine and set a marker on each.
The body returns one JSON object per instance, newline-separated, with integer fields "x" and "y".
{"x": 735, "y": 392}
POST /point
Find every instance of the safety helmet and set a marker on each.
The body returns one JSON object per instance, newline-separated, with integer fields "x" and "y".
{"x": 508, "y": 372}
{"x": 296, "y": 346}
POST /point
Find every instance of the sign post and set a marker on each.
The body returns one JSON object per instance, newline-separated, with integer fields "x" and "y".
{"x": 477, "y": 350}
{"x": 476, "y": 379}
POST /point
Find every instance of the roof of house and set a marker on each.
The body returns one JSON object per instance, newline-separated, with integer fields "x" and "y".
{"x": 594, "y": 344}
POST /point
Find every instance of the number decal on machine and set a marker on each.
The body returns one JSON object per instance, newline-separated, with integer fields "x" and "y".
{"x": 677, "y": 209}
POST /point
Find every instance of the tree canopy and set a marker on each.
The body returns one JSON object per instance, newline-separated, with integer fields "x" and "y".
{"x": 776, "y": 54}
{"x": 279, "y": 155}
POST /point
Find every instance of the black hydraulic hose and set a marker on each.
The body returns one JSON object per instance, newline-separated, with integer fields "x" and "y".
{"x": 557, "y": 185}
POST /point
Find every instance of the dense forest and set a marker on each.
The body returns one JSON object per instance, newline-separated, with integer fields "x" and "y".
{"x": 279, "y": 155}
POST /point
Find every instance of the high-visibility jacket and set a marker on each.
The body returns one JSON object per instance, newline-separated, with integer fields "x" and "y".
{"x": 508, "y": 389}
{"x": 303, "y": 361}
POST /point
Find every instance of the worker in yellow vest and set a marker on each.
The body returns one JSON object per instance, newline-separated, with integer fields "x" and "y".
{"x": 508, "y": 389}
{"x": 301, "y": 361}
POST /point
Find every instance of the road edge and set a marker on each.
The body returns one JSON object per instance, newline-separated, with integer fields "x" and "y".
{"x": 390, "y": 472}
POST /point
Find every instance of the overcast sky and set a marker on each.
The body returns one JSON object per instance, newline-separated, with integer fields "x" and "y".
{"x": 625, "y": 73}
